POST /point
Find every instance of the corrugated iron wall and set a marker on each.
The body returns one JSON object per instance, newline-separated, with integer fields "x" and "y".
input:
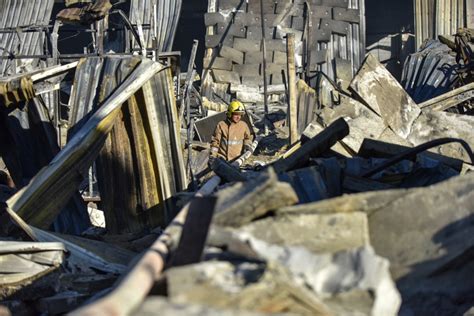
{"x": 439, "y": 17}
{"x": 21, "y": 13}
{"x": 162, "y": 17}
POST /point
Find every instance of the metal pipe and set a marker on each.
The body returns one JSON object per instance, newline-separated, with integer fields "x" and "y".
{"x": 415, "y": 151}
{"x": 134, "y": 287}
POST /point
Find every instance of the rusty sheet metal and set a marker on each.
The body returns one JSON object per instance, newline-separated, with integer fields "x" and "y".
{"x": 141, "y": 165}
{"x": 87, "y": 14}
{"x": 42, "y": 199}
{"x": 162, "y": 17}
{"x": 22, "y": 13}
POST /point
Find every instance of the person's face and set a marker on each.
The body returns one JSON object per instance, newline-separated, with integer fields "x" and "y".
{"x": 236, "y": 117}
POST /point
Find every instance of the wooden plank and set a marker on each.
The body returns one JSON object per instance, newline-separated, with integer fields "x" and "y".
{"x": 254, "y": 57}
{"x": 318, "y": 57}
{"x": 224, "y": 76}
{"x": 321, "y": 36}
{"x": 231, "y": 29}
{"x": 276, "y": 45}
{"x": 381, "y": 91}
{"x": 255, "y": 32}
{"x": 290, "y": 44}
{"x": 336, "y": 3}
{"x": 277, "y": 78}
{"x": 271, "y": 19}
{"x": 247, "y": 69}
{"x": 218, "y": 63}
{"x": 276, "y": 68}
{"x": 234, "y": 88}
{"x": 246, "y": 45}
{"x": 449, "y": 99}
{"x": 247, "y": 19}
{"x": 319, "y": 12}
{"x": 348, "y": 15}
{"x": 250, "y": 97}
{"x": 233, "y": 54}
{"x": 213, "y": 41}
{"x": 252, "y": 80}
{"x": 279, "y": 57}
{"x": 338, "y": 27}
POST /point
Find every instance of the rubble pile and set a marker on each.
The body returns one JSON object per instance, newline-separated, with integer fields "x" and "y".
{"x": 360, "y": 202}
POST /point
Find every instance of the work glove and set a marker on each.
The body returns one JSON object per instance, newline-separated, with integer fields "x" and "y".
{"x": 211, "y": 160}
{"x": 212, "y": 156}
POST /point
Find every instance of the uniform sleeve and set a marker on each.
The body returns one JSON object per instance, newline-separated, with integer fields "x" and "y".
{"x": 247, "y": 137}
{"x": 216, "y": 140}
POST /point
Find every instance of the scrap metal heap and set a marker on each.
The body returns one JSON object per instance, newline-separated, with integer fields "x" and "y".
{"x": 355, "y": 199}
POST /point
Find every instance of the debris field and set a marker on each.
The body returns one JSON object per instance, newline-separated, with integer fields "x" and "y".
{"x": 355, "y": 197}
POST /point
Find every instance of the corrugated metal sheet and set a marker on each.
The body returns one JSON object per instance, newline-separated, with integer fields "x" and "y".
{"x": 141, "y": 165}
{"x": 439, "y": 17}
{"x": 429, "y": 72}
{"x": 21, "y": 13}
{"x": 27, "y": 144}
{"x": 40, "y": 201}
{"x": 163, "y": 18}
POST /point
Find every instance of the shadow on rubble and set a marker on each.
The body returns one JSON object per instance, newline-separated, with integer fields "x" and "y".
{"x": 443, "y": 286}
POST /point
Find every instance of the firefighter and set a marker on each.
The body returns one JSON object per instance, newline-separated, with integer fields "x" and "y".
{"x": 232, "y": 136}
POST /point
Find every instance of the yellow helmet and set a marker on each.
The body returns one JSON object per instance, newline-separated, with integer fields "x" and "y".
{"x": 235, "y": 107}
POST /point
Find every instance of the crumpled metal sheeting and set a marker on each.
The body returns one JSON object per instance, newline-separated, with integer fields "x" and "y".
{"x": 28, "y": 142}
{"x": 152, "y": 155}
{"x": 22, "y": 260}
{"x": 430, "y": 72}
{"x": 164, "y": 109}
{"x": 39, "y": 203}
{"x": 87, "y": 14}
{"x": 167, "y": 11}
{"x": 93, "y": 77}
{"x": 16, "y": 13}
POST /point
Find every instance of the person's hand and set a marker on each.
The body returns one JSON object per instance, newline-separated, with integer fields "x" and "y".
{"x": 212, "y": 159}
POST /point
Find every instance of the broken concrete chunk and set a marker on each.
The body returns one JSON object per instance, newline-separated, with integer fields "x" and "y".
{"x": 433, "y": 124}
{"x": 243, "y": 202}
{"x": 243, "y": 286}
{"x": 166, "y": 308}
{"x": 363, "y": 123}
{"x": 338, "y": 278}
{"x": 381, "y": 91}
{"x": 318, "y": 233}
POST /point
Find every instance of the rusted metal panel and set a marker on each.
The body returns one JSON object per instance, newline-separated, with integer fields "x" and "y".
{"x": 141, "y": 165}
{"x": 42, "y": 199}
{"x": 19, "y": 16}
